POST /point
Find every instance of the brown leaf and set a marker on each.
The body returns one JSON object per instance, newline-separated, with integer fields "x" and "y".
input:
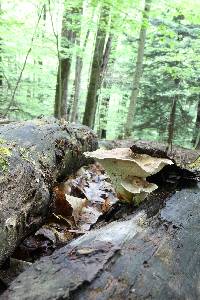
{"x": 89, "y": 217}
{"x": 61, "y": 206}
{"x": 46, "y": 233}
{"x": 77, "y": 205}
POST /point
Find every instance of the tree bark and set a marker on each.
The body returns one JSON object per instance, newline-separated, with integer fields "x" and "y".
{"x": 124, "y": 260}
{"x": 104, "y": 105}
{"x": 196, "y": 136}
{"x": 138, "y": 70}
{"x": 77, "y": 81}
{"x": 33, "y": 155}
{"x": 171, "y": 124}
{"x": 68, "y": 36}
{"x": 95, "y": 77}
{"x": 172, "y": 118}
{"x": 1, "y": 75}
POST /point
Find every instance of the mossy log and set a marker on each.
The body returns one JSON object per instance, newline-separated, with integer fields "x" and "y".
{"x": 33, "y": 156}
{"x": 138, "y": 258}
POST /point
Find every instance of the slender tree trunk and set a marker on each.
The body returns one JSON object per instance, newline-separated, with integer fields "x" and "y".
{"x": 105, "y": 99}
{"x": 103, "y": 115}
{"x": 71, "y": 20}
{"x": 196, "y": 135}
{"x": 172, "y": 118}
{"x": 95, "y": 77}
{"x": 60, "y": 108}
{"x": 77, "y": 84}
{"x": 106, "y": 57}
{"x": 171, "y": 124}
{"x": 77, "y": 81}
{"x": 1, "y": 75}
{"x": 138, "y": 70}
{"x": 104, "y": 67}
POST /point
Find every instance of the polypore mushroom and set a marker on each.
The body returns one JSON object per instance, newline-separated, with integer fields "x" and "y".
{"x": 128, "y": 171}
{"x": 136, "y": 188}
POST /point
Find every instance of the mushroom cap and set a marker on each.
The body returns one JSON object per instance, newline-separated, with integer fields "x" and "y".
{"x": 135, "y": 189}
{"x": 125, "y": 163}
{"x": 138, "y": 185}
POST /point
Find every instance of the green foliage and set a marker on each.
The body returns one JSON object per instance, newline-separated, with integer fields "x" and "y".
{"x": 172, "y": 53}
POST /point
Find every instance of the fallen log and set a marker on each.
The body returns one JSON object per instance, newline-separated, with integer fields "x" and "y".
{"x": 33, "y": 155}
{"x": 181, "y": 156}
{"x": 138, "y": 258}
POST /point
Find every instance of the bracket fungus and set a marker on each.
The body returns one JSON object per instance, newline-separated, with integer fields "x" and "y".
{"x": 128, "y": 171}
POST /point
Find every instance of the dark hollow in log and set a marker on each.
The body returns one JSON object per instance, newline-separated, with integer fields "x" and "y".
{"x": 138, "y": 258}
{"x": 33, "y": 155}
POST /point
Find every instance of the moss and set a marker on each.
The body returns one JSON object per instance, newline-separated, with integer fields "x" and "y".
{"x": 24, "y": 152}
{"x": 2, "y": 141}
{"x": 5, "y": 153}
{"x": 195, "y": 165}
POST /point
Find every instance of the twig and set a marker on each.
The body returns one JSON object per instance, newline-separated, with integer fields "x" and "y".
{"x": 8, "y": 83}
{"x": 24, "y": 65}
{"x": 58, "y": 53}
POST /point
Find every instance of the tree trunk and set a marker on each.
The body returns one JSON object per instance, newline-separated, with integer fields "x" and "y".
{"x": 33, "y": 155}
{"x": 138, "y": 70}
{"x": 77, "y": 84}
{"x": 71, "y": 20}
{"x": 106, "y": 57}
{"x": 196, "y": 136}
{"x": 171, "y": 124}
{"x": 103, "y": 115}
{"x": 104, "y": 67}
{"x": 1, "y": 75}
{"x": 104, "y": 105}
{"x": 77, "y": 81}
{"x": 60, "y": 109}
{"x": 96, "y": 72}
{"x": 172, "y": 118}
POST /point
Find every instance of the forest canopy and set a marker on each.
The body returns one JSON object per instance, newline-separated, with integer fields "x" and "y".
{"x": 125, "y": 68}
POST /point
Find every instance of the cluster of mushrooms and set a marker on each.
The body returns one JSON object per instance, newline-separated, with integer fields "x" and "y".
{"x": 128, "y": 171}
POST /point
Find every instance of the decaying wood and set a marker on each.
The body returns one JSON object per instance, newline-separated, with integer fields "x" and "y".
{"x": 5, "y": 121}
{"x": 111, "y": 144}
{"x": 33, "y": 155}
{"x": 138, "y": 258}
{"x": 181, "y": 156}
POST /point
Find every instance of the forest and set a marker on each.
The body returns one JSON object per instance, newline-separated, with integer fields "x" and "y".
{"x": 124, "y": 68}
{"x": 99, "y": 149}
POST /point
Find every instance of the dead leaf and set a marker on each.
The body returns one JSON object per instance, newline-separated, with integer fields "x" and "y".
{"x": 89, "y": 217}
{"x": 77, "y": 205}
{"x": 46, "y": 233}
{"x": 61, "y": 206}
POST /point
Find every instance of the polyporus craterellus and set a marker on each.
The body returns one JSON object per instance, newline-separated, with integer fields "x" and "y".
{"x": 128, "y": 171}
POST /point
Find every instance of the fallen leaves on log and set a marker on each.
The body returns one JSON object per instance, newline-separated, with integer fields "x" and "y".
{"x": 78, "y": 203}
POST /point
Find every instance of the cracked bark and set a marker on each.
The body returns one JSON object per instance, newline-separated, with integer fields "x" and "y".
{"x": 33, "y": 155}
